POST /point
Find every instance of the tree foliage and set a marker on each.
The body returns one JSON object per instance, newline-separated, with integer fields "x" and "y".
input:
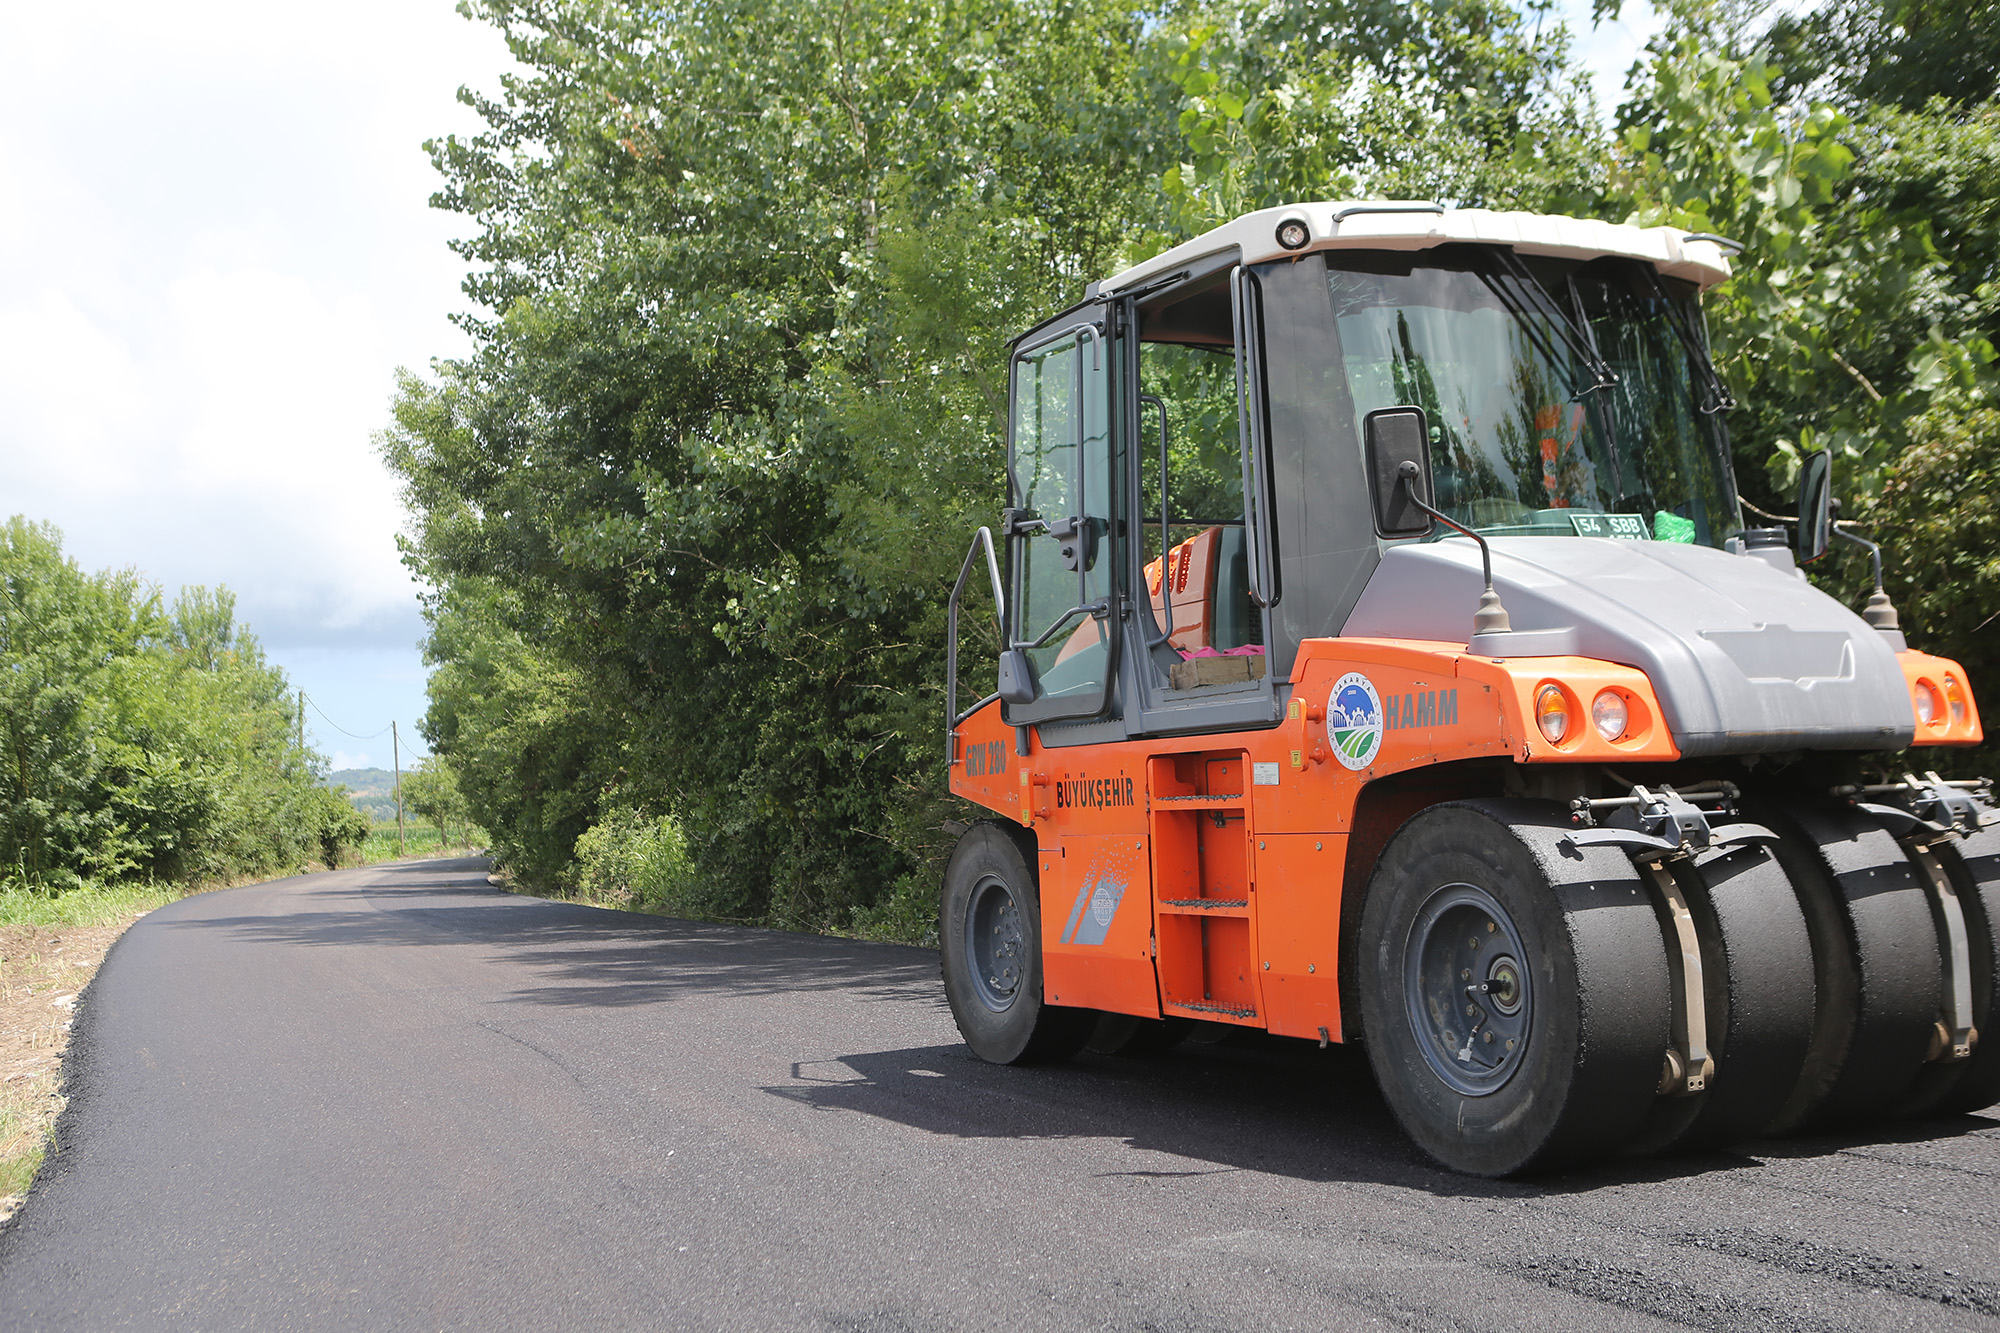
{"x": 141, "y": 739}
{"x": 431, "y": 792}
{"x": 744, "y": 277}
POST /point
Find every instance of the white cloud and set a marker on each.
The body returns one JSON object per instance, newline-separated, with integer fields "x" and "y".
{"x": 214, "y": 250}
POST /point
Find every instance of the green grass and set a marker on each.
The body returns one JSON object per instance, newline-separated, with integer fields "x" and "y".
{"x": 418, "y": 840}
{"x": 17, "y": 1171}
{"x": 88, "y": 906}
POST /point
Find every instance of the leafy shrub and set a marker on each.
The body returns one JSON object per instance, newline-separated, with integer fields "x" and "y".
{"x": 906, "y": 914}
{"x": 632, "y": 859}
{"x": 337, "y": 828}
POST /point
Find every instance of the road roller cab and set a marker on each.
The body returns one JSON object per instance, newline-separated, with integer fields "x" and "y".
{"x": 1383, "y": 656}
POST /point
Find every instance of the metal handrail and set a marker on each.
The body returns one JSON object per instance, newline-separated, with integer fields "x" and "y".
{"x": 1166, "y": 593}
{"x": 1341, "y": 215}
{"x": 984, "y": 537}
{"x": 1257, "y": 508}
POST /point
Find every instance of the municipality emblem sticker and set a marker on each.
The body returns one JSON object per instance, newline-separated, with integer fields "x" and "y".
{"x": 1354, "y": 720}
{"x": 1103, "y": 903}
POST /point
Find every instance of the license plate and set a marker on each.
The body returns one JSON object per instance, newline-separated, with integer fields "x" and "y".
{"x": 1618, "y": 527}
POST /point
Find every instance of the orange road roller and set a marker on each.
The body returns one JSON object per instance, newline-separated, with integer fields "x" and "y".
{"x": 1383, "y": 656}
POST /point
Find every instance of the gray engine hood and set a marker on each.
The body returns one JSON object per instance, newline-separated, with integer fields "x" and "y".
{"x": 1745, "y": 658}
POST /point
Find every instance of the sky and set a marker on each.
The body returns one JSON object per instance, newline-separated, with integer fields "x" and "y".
{"x": 215, "y": 251}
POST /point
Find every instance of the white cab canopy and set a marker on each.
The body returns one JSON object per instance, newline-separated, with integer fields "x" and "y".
{"x": 1399, "y": 224}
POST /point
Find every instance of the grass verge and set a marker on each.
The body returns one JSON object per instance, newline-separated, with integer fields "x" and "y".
{"x": 419, "y": 840}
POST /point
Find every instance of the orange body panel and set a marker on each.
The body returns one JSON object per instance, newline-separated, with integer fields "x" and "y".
{"x": 1201, "y": 876}
{"x": 1945, "y": 679}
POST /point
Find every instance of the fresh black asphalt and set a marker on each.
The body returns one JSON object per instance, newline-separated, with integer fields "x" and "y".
{"x": 398, "y": 1098}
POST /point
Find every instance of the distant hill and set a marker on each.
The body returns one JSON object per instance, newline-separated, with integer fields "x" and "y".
{"x": 371, "y": 789}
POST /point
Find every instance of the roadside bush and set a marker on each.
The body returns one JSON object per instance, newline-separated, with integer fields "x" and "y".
{"x": 337, "y": 828}
{"x": 906, "y": 914}
{"x": 630, "y": 859}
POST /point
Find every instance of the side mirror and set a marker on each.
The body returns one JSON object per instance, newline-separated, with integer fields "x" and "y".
{"x": 1392, "y": 437}
{"x": 1017, "y": 677}
{"x": 1815, "y": 506}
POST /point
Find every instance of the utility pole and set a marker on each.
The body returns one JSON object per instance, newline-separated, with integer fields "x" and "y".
{"x": 396, "y": 749}
{"x": 302, "y": 721}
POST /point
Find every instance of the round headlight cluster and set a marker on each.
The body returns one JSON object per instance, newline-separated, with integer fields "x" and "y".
{"x": 1954, "y": 694}
{"x": 1552, "y": 713}
{"x": 1609, "y": 712}
{"x": 1924, "y": 697}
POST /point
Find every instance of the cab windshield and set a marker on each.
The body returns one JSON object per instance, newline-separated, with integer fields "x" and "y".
{"x": 1563, "y": 398}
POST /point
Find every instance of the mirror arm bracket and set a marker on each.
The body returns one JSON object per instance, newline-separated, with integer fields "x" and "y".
{"x": 1491, "y": 617}
{"x": 1880, "y": 612}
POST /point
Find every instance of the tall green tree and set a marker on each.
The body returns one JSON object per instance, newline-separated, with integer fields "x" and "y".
{"x": 137, "y": 738}
{"x": 745, "y": 276}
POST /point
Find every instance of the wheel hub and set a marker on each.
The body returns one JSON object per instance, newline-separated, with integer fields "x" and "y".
{"x": 1467, "y": 991}
{"x": 995, "y": 944}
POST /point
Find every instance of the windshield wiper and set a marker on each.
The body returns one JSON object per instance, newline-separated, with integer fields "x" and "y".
{"x": 1715, "y": 394}
{"x": 1525, "y": 297}
{"x": 1530, "y": 295}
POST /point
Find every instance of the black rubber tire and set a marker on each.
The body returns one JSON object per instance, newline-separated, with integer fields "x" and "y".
{"x": 1974, "y": 867}
{"x": 1597, "y": 1030}
{"x": 1128, "y": 1034}
{"x": 1757, "y": 966}
{"x": 989, "y": 859}
{"x": 1875, "y": 962}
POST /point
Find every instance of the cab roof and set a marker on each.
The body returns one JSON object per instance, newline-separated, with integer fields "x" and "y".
{"x": 1405, "y": 224}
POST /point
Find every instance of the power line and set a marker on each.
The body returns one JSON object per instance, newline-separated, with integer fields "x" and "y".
{"x": 337, "y": 727}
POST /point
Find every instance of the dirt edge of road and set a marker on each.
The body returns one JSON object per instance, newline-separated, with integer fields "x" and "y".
{"x": 44, "y": 972}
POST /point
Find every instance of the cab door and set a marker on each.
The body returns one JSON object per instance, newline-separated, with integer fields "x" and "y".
{"x": 1063, "y": 539}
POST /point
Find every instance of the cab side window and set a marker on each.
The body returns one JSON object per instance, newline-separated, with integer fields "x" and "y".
{"x": 1197, "y": 573}
{"x": 1062, "y": 551}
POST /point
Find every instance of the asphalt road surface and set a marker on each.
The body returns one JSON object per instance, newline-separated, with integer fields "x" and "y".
{"x": 399, "y": 1098}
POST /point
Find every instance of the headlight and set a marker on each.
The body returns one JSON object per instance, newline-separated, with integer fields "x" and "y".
{"x": 1954, "y": 694}
{"x": 1608, "y": 711}
{"x": 1924, "y": 696}
{"x": 1552, "y": 713}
